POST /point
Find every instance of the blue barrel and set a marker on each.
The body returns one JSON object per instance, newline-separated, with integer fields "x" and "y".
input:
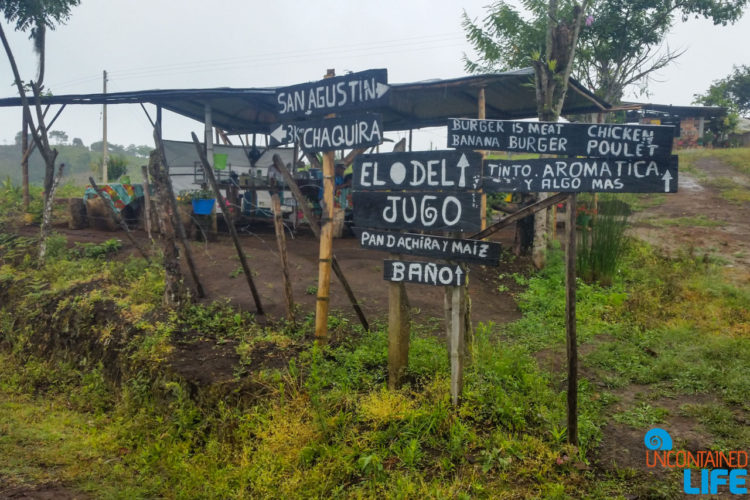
{"x": 203, "y": 207}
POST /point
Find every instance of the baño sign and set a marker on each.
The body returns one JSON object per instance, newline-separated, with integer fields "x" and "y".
{"x": 572, "y": 139}
{"x": 424, "y": 273}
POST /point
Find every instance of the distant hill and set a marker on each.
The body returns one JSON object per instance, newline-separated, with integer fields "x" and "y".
{"x": 77, "y": 160}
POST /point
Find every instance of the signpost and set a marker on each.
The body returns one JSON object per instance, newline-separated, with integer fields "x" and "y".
{"x": 424, "y": 170}
{"x": 571, "y": 139}
{"x": 331, "y": 134}
{"x": 323, "y": 99}
{"x": 433, "y": 211}
{"x": 577, "y": 175}
{"x": 427, "y": 245}
{"x": 431, "y": 191}
{"x": 425, "y": 273}
{"x": 355, "y": 91}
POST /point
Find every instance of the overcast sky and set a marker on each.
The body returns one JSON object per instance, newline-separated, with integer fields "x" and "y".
{"x": 160, "y": 44}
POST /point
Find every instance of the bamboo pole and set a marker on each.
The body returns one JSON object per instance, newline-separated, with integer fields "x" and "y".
{"x": 230, "y": 222}
{"x": 570, "y": 320}
{"x": 278, "y": 225}
{"x": 326, "y": 251}
{"x": 315, "y": 228}
{"x": 175, "y": 212}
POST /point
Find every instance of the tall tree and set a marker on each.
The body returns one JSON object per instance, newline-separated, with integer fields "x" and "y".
{"x": 36, "y": 17}
{"x": 733, "y": 93}
{"x": 622, "y": 43}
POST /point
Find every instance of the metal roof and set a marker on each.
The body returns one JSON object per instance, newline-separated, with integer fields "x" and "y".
{"x": 509, "y": 95}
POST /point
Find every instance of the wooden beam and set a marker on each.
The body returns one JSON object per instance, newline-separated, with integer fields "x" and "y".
{"x": 571, "y": 341}
{"x": 172, "y": 200}
{"x": 230, "y": 223}
{"x": 326, "y": 250}
{"x": 315, "y": 228}
{"x": 278, "y": 225}
{"x": 524, "y": 212}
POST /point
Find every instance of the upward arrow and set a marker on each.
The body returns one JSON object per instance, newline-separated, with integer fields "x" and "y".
{"x": 463, "y": 162}
{"x": 666, "y": 178}
{"x": 459, "y": 273}
{"x": 381, "y": 89}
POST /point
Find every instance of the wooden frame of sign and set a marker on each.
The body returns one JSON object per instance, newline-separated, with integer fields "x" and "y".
{"x": 617, "y": 158}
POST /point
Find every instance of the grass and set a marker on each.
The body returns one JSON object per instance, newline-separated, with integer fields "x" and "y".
{"x": 687, "y": 221}
{"x": 323, "y": 424}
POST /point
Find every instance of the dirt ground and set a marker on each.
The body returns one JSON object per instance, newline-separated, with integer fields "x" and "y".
{"x": 492, "y": 289}
{"x": 701, "y": 196}
{"x": 221, "y": 275}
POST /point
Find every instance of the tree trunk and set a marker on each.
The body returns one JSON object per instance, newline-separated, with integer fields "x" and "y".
{"x": 552, "y": 72}
{"x": 25, "y": 164}
{"x": 174, "y": 290}
{"x": 47, "y": 215}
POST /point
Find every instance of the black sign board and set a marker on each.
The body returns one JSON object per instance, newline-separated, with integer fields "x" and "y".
{"x": 422, "y": 171}
{"x": 424, "y": 273}
{"x": 581, "y": 175}
{"x": 362, "y": 90}
{"x": 574, "y": 139}
{"x": 433, "y": 211}
{"x": 426, "y": 245}
{"x": 332, "y": 134}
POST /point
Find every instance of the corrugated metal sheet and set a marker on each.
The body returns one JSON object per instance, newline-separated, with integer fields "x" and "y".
{"x": 415, "y": 105}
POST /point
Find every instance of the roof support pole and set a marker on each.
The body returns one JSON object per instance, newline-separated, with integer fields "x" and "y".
{"x": 209, "y": 136}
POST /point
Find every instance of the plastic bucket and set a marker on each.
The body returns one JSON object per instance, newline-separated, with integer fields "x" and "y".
{"x": 203, "y": 207}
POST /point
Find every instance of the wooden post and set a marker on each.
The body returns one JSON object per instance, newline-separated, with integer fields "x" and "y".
{"x": 398, "y": 334}
{"x": 454, "y": 319}
{"x": 315, "y": 228}
{"x": 174, "y": 290}
{"x": 326, "y": 251}
{"x": 147, "y": 201}
{"x": 118, "y": 219}
{"x": 570, "y": 320}
{"x": 326, "y": 243}
{"x": 172, "y": 200}
{"x": 25, "y": 163}
{"x": 230, "y": 222}
{"x": 482, "y": 114}
{"x": 278, "y": 225}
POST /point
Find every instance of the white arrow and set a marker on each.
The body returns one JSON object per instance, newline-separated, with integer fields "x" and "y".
{"x": 667, "y": 177}
{"x": 381, "y": 89}
{"x": 459, "y": 272}
{"x": 462, "y": 164}
{"x": 279, "y": 135}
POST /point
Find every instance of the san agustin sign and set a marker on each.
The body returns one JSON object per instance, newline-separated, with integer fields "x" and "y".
{"x": 365, "y": 89}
